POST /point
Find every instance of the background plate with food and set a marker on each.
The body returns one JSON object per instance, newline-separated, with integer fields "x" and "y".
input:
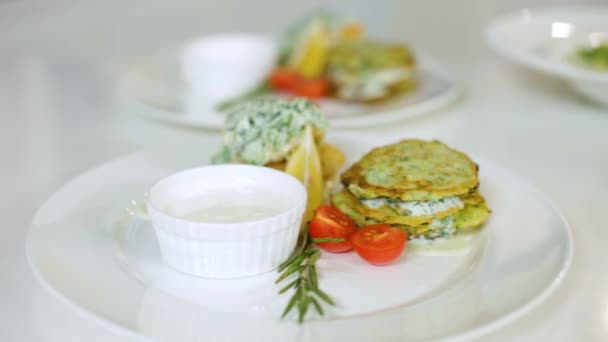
{"x": 357, "y": 80}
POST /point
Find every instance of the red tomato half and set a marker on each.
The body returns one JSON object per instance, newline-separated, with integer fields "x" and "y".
{"x": 311, "y": 88}
{"x": 284, "y": 79}
{"x": 329, "y": 222}
{"x": 379, "y": 244}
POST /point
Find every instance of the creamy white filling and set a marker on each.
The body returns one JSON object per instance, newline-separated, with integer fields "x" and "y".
{"x": 371, "y": 85}
{"x": 416, "y": 208}
{"x": 443, "y": 228}
{"x": 446, "y": 224}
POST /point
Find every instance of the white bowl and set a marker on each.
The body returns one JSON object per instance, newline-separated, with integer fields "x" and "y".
{"x": 214, "y": 242}
{"x": 546, "y": 40}
{"x": 224, "y": 66}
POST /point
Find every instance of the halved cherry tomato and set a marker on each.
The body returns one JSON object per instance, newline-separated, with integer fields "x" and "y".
{"x": 311, "y": 88}
{"x": 284, "y": 79}
{"x": 329, "y": 222}
{"x": 379, "y": 244}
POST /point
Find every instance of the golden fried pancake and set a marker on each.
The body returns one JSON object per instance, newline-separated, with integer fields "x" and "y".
{"x": 387, "y": 214}
{"x": 341, "y": 201}
{"x": 472, "y": 216}
{"x": 412, "y": 170}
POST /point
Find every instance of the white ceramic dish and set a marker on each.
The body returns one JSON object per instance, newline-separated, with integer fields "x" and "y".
{"x": 209, "y": 245}
{"x": 216, "y": 69}
{"x": 153, "y": 89}
{"x": 546, "y": 39}
{"x": 102, "y": 260}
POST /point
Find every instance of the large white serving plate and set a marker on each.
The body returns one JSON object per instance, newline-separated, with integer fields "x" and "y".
{"x": 87, "y": 247}
{"x": 545, "y": 39}
{"x": 154, "y": 89}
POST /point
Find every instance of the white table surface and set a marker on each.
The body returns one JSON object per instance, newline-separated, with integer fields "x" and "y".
{"x": 60, "y": 61}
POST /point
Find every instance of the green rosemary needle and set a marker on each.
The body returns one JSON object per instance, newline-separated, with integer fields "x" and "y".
{"x": 322, "y": 240}
{"x": 305, "y": 286}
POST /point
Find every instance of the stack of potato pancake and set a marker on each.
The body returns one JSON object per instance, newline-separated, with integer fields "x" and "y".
{"x": 424, "y": 187}
{"x": 366, "y": 70}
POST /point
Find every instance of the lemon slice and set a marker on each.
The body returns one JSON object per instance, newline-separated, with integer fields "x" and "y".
{"x": 310, "y": 55}
{"x": 305, "y": 165}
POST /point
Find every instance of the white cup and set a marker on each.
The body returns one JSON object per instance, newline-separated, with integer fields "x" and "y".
{"x": 225, "y": 248}
{"x": 223, "y": 66}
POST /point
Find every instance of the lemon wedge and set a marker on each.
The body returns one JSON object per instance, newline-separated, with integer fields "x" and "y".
{"x": 305, "y": 165}
{"x": 310, "y": 55}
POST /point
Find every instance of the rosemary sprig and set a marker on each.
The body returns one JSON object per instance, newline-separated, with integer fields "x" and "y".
{"x": 322, "y": 240}
{"x": 306, "y": 284}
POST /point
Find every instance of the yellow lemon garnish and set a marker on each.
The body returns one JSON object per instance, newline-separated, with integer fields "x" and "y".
{"x": 305, "y": 165}
{"x": 311, "y": 52}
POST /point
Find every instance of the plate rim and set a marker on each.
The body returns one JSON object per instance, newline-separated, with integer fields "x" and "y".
{"x": 481, "y": 330}
{"x": 538, "y": 299}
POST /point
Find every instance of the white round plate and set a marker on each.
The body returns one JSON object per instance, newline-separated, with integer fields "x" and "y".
{"x": 154, "y": 89}
{"x": 545, "y": 39}
{"x": 87, "y": 248}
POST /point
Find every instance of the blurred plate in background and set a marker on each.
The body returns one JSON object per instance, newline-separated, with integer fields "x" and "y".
{"x": 155, "y": 89}
{"x": 547, "y": 39}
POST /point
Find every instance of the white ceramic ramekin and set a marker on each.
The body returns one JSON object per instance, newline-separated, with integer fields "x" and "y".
{"x": 231, "y": 249}
{"x": 227, "y": 65}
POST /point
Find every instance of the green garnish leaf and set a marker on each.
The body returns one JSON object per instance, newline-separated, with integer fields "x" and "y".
{"x": 291, "y": 304}
{"x": 312, "y": 259}
{"x": 290, "y": 270}
{"x": 303, "y": 308}
{"x": 287, "y": 262}
{"x": 317, "y": 305}
{"x": 322, "y": 240}
{"x": 306, "y": 283}
{"x": 323, "y": 296}
{"x": 312, "y": 276}
{"x": 290, "y": 285}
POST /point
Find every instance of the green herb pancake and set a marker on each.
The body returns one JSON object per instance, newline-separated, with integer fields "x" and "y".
{"x": 469, "y": 218}
{"x": 412, "y": 170}
{"x": 389, "y": 212}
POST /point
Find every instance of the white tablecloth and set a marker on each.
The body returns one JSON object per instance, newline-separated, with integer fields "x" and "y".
{"x": 59, "y": 66}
